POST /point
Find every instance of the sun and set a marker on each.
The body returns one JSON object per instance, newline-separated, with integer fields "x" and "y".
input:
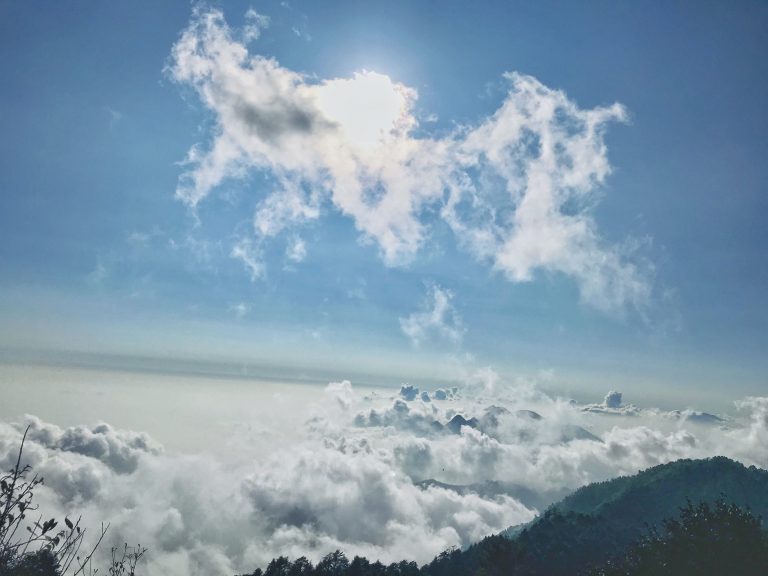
{"x": 370, "y": 108}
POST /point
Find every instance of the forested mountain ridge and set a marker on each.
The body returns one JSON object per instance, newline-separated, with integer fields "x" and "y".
{"x": 665, "y": 485}
{"x": 604, "y": 518}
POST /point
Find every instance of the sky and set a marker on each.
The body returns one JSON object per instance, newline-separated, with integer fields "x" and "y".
{"x": 390, "y": 192}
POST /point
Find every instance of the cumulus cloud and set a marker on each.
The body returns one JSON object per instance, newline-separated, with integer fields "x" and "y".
{"x": 341, "y": 392}
{"x": 437, "y": 318}
{"x": 612, "y": 405}
{"x": 415, "y": 419}
{"x": 518, "y": 189}
{"x": 440, "y": 394}
{"x": 612, "y": 400}
{"x": 409, "y": 392}
{"x": 330, "y": 490}
{"x": 119, "y": 450}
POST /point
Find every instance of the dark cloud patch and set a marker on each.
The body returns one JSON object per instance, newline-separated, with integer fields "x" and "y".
{"x": 409, "y": 392}
{"x": 118, "y": 449}
{"x": 612, "y": 400}
{"x": 456, "y": 423}
{"x": 278, "y": 119}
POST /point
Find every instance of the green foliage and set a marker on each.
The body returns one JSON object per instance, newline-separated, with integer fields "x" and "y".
{"x": 604, "y": 519}
{"x": 657, "y": 490}
{"x": 705, "y": 541}
{"x": 38, "y": 563}
{"x": 334, "y": 564}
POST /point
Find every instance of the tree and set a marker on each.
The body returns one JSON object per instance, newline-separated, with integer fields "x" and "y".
{"x": 704, "y": 541}
{"x": 278, "y": 567}
{"x": 334, "y": 564}
{"x": 301, "y": 567}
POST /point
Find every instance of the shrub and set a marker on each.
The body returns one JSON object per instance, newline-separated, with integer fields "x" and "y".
{"x": 37, "y": 548}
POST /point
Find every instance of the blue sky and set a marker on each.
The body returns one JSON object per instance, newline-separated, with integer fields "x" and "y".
{"x": 102, "y": 249}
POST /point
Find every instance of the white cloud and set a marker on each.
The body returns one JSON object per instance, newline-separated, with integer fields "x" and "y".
{"x": 438, "y": 318}
{"x": 612, "y": 405}
{"x": 250, "y": 255}
{"x": 341, "y": 392}
{"x": 241, "y": 309}
{"x": 697, "y": 416}
{"x": 409, "y": 391}
{"x": 518, "y": 189}
{"x": 296, "y": 250}
{"x": 254, "y": 24}
{"x": 120, "y": 450}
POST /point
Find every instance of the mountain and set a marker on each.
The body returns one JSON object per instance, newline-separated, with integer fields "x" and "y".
{"x": 652, "y": 493}
{"x": 526, "y": 423}
{"x": 492, "y": 488}
{"x": 602, "y": 520}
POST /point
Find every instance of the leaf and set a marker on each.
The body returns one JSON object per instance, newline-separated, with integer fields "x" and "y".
{"x": 68, "y": 523}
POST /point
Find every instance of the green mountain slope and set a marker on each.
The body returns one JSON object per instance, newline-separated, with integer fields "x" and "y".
{"x": 603, "y": 519}
{"x": 653, "y": 492}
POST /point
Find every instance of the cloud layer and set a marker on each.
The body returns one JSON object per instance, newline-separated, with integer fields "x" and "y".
{"x": 518, "y": 188}
{"x": 352, "y": 475}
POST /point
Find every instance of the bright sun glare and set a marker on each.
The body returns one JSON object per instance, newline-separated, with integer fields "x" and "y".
{"x": 369, "y": 107}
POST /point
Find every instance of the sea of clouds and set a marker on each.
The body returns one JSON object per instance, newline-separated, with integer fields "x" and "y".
{"x": 352, "y": 475}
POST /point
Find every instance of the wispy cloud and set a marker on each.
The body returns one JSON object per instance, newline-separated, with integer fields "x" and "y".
{"x": 438, "y": 318}
{"x": 115, "y": 116}
{"x": 518, "y": 189}
{"x": 250, "y": 256}
{"x": 99, "y": 274}
{"x": 240, "y": 310}
{"x": 254, "y": 24}
{"x": 296, "y": 250}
